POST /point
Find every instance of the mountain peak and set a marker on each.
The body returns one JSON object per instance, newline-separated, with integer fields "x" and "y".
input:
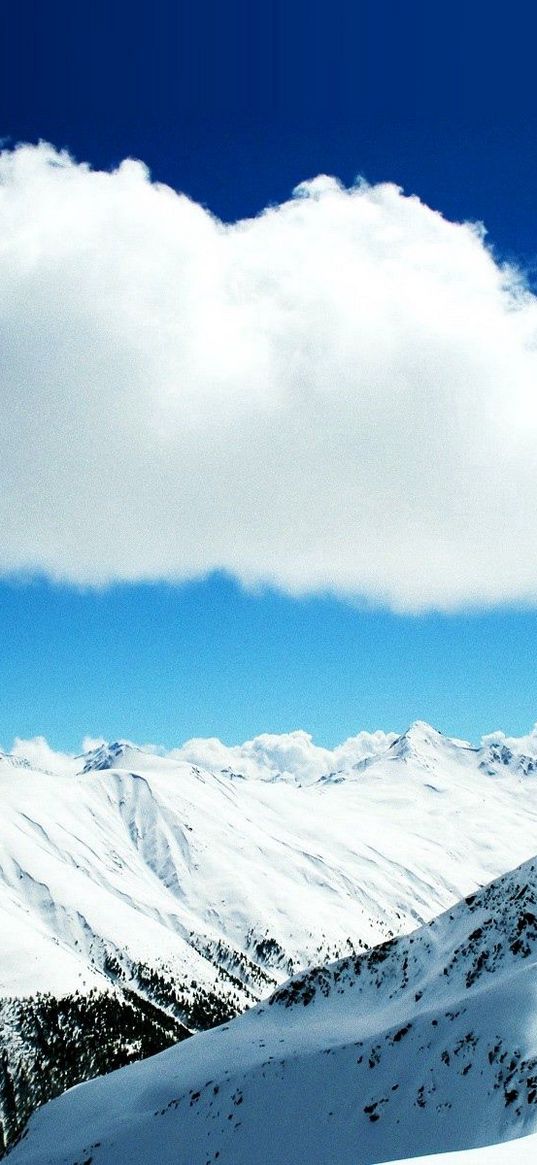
{"x": 419, "y": 739}
{"x": 497, "y": 756}
{"x": 421, "y": 730}
{"x": 108, "y": 756}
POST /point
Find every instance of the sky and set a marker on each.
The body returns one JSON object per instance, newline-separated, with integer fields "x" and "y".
{"x": 268, "y": 393}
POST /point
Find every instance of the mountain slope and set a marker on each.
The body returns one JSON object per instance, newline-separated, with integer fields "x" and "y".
{"x": 185, "y": 896}
{"x": 523, "y": 1151}
{"x": 170, "y": 858}
{"x": 425, "y": 1043}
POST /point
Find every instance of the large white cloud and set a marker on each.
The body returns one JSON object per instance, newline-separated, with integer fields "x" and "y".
{"x": 340, "y": 394}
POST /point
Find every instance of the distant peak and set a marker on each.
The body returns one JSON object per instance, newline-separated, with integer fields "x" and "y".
{"x": 420, "y": 742}
{"x": 16, "y": 762}
{"x": 419, "y": 732}
{"x": 420, "y": 728}
{"x": 496, "y": 757}
{"x": 106, "y": 756}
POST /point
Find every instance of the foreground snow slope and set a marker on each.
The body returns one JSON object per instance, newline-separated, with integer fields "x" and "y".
{"x": 426, "y": 1043}
{"x": 520, "y": 1152}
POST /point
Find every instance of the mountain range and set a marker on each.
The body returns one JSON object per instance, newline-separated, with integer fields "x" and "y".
{"x": 424, "y": 1043}
{"x": 144, "y": 896}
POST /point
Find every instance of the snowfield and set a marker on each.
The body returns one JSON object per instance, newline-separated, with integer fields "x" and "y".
{"x": 520, "y": 1152}
{"x": 426, "y": 1043}
{"x": 158, "y": 860}
{"x": 167, "y": 897}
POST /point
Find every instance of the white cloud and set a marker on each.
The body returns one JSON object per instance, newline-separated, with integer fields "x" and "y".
{"x": 90, "y": 743}
{"x": 42, "y": 757}
{"x": 339, "y": 395}
{"x": 291, "y": 753}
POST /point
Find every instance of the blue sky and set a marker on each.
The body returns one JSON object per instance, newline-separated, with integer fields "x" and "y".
{"x": 162, "y": 665}
{"x": 235, "y": 107}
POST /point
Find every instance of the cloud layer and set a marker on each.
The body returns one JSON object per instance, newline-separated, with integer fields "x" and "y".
{"x": 42, "y": 757}
{"x": 292, "y": 753}
{"x": 339, "y": 395}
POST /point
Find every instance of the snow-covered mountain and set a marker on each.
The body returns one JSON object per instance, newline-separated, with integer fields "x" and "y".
{"x": 138, "y": 885}
{"x": 523, "y": 1151}
{"x": 425, "y": 1043}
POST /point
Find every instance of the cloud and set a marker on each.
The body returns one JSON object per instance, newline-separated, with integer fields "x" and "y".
{"x": 336, "y": 396}
{"x": 90, "y": 743}
{"x": 42, "y": 757}
{"x": 291, "y": 753}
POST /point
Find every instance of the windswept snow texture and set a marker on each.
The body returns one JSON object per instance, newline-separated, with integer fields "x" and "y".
{"x": 425, "y": 1043}
{"x": 148, "y": 880}
{"x": 520, "y": 1152}
{"x": 153, "y": 860}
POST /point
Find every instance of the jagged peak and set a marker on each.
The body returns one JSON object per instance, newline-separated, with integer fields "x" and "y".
{"x": 108, "y": 755}
{"x": 496, "y": 756}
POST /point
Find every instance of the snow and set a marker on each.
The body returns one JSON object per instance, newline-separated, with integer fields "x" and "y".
{"x": 227, "y": 881}
{"x": 522, "y": 1151}
{"x": 427, "y": 1043}
{"x": 160, "y": 859}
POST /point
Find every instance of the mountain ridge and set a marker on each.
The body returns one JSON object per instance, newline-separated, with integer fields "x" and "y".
{"x": 188, "y": 895}
{"x": 288, "y": 749}
{"x": 424, "y": 1043}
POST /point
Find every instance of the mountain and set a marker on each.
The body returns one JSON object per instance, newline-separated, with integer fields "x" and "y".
{"x": 122, "y": 754}
{"x": 139, "y": 886}
{"x": 523, "y": 1151}
{"x": 425, "y": 1043}
{"x": 14, "y": 762}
